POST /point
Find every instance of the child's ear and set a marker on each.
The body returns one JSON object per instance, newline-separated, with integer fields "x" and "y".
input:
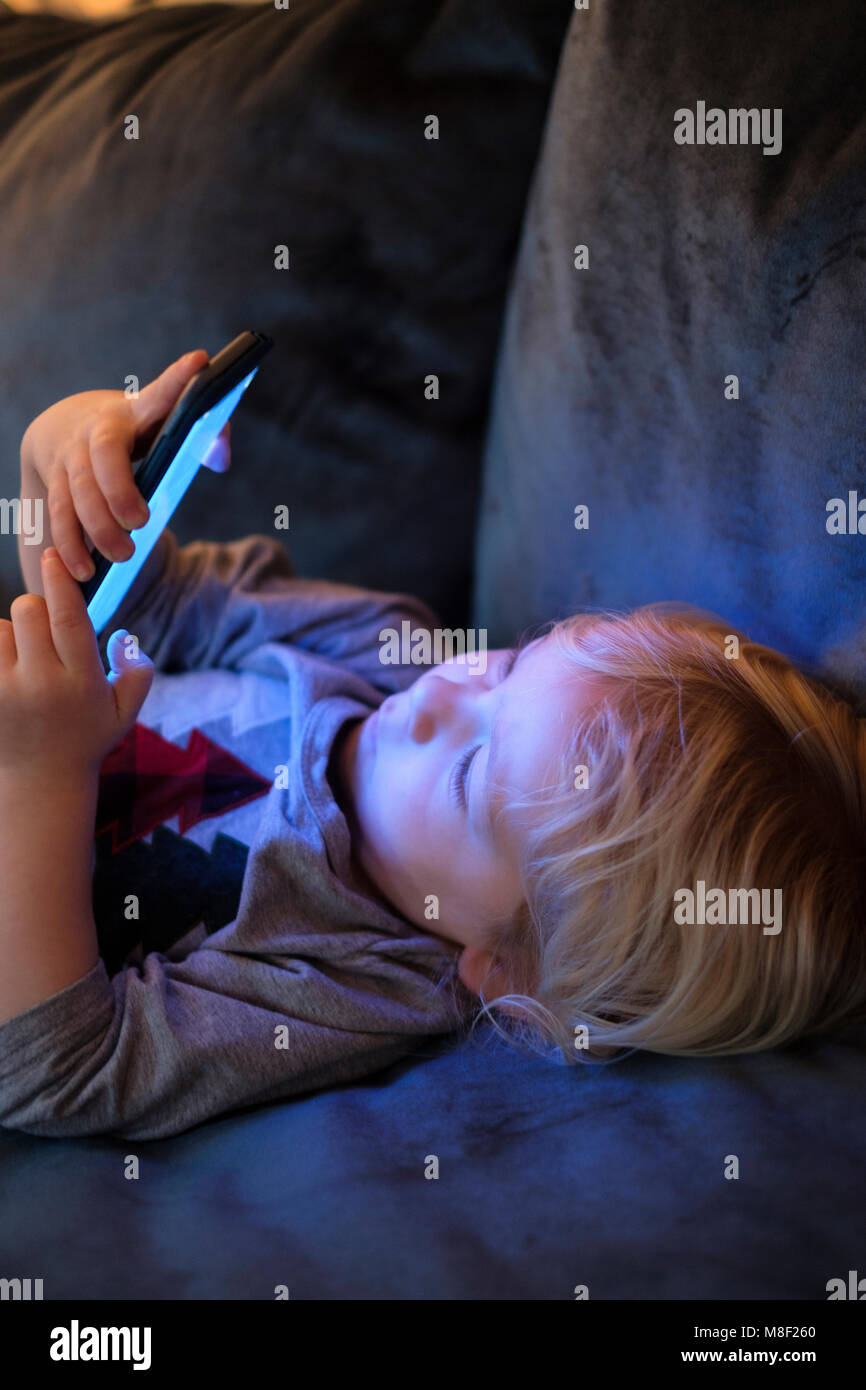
{"x": 477, "y": 972}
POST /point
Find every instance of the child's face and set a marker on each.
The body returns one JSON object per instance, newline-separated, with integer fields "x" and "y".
{"x": 418, "y": 772}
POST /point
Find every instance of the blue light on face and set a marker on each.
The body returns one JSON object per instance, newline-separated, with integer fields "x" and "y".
{"x": 163, "y": 504}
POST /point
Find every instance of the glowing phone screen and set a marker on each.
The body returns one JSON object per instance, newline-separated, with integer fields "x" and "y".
{"x": 164, "y": 502}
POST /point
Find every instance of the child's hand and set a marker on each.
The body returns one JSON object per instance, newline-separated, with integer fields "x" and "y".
{"x": 59, "y": 712}
{"x": 77, "y": 456}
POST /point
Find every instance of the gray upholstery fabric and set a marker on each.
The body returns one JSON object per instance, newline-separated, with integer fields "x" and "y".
{"x": 261, "y": 127}
{"x": 618, "y": 1178}
{"x": 704, "y": 261}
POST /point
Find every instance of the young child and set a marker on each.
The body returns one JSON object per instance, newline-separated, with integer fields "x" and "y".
{"x": 629, "y": 832}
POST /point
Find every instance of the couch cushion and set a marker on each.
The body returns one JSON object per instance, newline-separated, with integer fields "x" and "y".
{"x": 261, "y": 127}
{"x": 704, "y": 261}
{"x": 617, "y": 1177}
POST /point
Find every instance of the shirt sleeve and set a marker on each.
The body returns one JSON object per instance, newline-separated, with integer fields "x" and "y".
{"x": 163, "y": 1046}
{"x": 212, "y": 604}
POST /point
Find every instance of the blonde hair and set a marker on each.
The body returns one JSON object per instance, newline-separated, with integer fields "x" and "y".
{"x": 740, "y": 771}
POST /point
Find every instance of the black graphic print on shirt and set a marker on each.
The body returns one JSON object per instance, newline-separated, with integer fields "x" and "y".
{"x": 144, "y": 782}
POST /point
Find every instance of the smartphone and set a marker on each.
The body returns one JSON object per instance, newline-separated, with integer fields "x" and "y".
{"x": 172, "y": 461}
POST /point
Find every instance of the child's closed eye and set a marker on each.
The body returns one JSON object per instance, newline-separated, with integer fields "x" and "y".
{"x": 459, "y": 779}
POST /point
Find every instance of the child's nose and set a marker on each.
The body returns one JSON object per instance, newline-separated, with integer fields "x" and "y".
{"x": 435, "y": 700}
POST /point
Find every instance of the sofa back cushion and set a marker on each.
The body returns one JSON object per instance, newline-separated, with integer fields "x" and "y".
{"x": 259, "y": 128}
{"x": 705, "y": 262}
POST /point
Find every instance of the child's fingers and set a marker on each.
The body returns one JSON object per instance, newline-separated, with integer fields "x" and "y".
{"x": 92, "y": 509}
{"x": 155, "y": 400}
{"x": 219, "y": 456}
{"x": 131, "y": 674}
{"x": 8, "y": 652}
{"x": 33, "y": 640}
{"x": 70, "y": 628}
{"x": 65, "y": 527}
{"x": 109, "y": 456}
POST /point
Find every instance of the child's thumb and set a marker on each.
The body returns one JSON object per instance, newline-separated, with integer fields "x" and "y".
{"x": 158, "y": 398}
{"x": 131, "y": 674}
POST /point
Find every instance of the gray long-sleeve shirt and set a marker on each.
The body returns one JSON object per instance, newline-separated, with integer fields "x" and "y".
{"x": 249, "y": 964}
